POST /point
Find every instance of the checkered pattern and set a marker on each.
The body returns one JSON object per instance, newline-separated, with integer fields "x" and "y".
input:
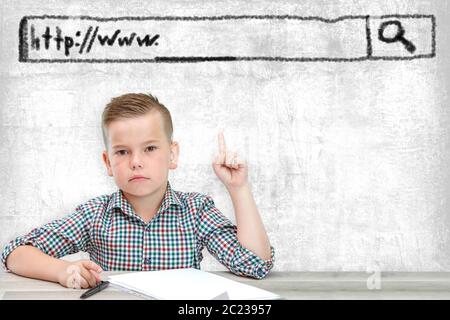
{"x": 118, "y": 239}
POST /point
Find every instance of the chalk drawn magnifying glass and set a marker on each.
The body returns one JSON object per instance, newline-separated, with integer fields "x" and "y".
{"x": 399, "y": 35}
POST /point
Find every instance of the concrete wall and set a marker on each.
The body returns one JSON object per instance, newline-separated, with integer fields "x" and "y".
{"x": 349, "y": 161}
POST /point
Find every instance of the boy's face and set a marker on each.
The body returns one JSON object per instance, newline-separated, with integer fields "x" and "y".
{"x": 140, "y": 147}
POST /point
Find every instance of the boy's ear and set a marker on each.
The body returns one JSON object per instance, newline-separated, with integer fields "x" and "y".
{"x": 174, "y": 152}
{"x": 107, "y": 163}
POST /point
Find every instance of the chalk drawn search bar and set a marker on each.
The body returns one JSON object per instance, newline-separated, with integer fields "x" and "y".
{"x": 226, "y": 38}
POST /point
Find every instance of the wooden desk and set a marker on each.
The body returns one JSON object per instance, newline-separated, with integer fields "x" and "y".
{"x": 290, "y": 285}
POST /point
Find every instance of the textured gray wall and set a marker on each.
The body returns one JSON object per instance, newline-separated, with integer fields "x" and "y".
{"x": 349, "y": 162}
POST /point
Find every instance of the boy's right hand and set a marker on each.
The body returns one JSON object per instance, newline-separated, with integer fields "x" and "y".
{"x": 80, "y": 274}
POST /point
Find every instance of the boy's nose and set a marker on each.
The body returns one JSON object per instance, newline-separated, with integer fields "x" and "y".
{"x": 136, "y": 162}
{"x": 136, "y": 165}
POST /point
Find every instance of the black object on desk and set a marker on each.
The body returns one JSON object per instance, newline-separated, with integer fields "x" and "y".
{"x": 102, "y": 285}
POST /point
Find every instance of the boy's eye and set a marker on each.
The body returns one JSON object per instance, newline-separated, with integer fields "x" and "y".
{"x": 124, "y": 152}
{"x": 121, "y": 152}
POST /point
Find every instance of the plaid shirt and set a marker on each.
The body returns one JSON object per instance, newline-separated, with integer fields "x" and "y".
{"x": 116, "y": 238}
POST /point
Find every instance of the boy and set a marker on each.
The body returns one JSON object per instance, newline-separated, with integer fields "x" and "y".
{"x": 146, "y": 225}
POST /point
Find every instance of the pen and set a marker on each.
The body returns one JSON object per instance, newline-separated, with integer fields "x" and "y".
{"x": 102, "y": 285}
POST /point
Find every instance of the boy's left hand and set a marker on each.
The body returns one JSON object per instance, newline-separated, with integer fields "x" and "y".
{"x": 229, "y": 168}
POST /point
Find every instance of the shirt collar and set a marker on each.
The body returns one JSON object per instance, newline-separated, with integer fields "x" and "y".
{"x": 170, "y": 198}
{"x": 118, "y": 200}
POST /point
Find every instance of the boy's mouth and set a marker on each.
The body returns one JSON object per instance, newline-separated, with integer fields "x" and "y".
{"x": 137, "y": 178}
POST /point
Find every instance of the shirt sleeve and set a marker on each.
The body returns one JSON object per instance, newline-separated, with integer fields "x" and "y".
{"x": 57, "y": 238}
{"x": 219, "y": 235}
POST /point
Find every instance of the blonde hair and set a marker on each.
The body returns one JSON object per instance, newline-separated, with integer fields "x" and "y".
{"x": 132, "y": 105}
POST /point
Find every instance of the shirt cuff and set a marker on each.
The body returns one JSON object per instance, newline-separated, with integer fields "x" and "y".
{"x": 257, "y": 268}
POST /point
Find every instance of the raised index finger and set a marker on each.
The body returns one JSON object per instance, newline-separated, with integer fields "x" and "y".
{"x": 222, "y": 146}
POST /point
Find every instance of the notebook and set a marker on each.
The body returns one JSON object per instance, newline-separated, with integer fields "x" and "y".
{"x": 187, "y": 284}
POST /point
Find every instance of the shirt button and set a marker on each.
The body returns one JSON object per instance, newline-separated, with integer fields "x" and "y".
{"x": 147, "y": 261}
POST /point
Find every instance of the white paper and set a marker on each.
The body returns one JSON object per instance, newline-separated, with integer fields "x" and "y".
{"x": 187, "y": 284}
